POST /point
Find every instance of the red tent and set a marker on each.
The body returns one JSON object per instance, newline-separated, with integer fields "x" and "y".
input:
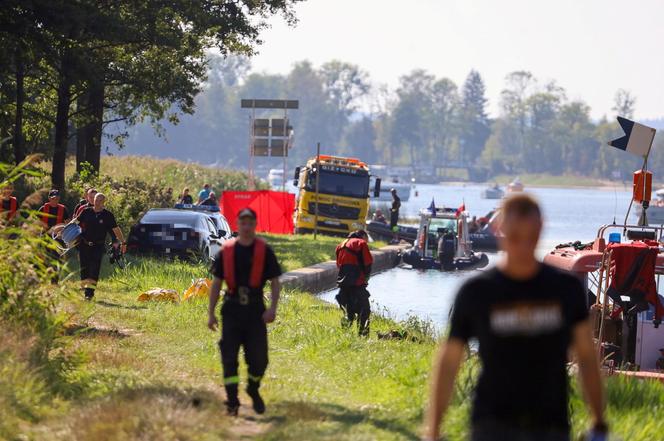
{"x": 274, "y": 209}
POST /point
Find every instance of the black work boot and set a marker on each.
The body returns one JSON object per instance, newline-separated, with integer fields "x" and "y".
{"x": 89, "y": 293}
{"x": 232, "y": 402}
{"x": 252, "y": 391}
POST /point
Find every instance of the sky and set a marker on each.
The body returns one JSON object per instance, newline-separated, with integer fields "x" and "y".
{"x": 590, "y": 47}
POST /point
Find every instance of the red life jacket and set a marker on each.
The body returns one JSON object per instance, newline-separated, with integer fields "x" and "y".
{"x": 13, "y": 206}
{"x": 353, "y": 265}
{"x": 257, "y": 266}
{"x": 633, "y": 274}
{"x": 80, "y": 209}
{"x": 46, "y": 216}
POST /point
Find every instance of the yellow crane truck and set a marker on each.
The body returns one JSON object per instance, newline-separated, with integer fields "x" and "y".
{"x": 343, "y": 195}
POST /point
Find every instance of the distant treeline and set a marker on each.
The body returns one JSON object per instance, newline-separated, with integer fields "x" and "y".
{"x": 426, "y": 121}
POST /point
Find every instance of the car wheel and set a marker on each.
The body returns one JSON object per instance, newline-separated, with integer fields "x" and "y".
{"x": 205, "y": 255}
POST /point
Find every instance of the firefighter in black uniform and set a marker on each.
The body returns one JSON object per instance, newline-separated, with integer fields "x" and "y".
{"x": 96, "y": 222}
{"x": 246, "y": 264}
{"x": 354, "y": 262}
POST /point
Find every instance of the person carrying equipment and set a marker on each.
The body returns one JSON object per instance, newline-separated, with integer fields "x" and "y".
{"x": 96, "y": 222}
{"x": 9, "y": 204}
{"x": 53, "y": 212}
{"x": 246, "y": 264}
{"x": 354, "y": 262}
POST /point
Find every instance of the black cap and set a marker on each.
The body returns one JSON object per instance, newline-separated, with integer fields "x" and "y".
{"x": 247, "y": 212}
{"x": 53, "y": 193}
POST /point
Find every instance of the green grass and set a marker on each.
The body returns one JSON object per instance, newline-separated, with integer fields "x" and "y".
{"x": 151, "y": 371}
{"x": 298, "y": 251}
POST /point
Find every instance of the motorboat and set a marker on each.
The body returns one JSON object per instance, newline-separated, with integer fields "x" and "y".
{"x": 619, "y": 269}
{"x": 515, "y": 186}
{"x": 655, "y": 212}
{"x": 275, "y": 177}
{"x": 386, "y": 186}
{"x": 443, "y": 242}
{"x": 493, "y": 192}
{"x": 482, "y": 239}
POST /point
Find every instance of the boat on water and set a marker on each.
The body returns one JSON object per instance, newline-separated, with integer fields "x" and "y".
{"x": 402, "y": 188}
{"x": 275, "y": 177}
{"x": 493, "y": 192}
{"x": 621, "y": 282}
{"x": 443, "y": 242}
{"x": 515, "y": 186}
{"x": 655, "y": 212}
{"x": 481, "y": 239}
{"x": 620, "y": 269}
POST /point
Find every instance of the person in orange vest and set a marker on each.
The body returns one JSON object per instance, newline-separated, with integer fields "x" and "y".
{"x": 53, "y": 212}
{"x": 88, "y": 202}
{"x": 354, "y": 262}
{"x": 246, "y": 264}
{"x": 9, "y": 204}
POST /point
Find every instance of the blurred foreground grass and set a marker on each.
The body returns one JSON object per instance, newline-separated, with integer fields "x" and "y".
{"x": 151, "y": 371}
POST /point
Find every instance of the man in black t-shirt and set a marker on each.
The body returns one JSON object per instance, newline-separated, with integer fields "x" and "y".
{"x": 245, "y": 264}
{"x": 96, "y": 222}
{"x": 525, "y": 316}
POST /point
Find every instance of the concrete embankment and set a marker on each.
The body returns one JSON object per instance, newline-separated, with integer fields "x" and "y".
{"x": 323, "y": 276}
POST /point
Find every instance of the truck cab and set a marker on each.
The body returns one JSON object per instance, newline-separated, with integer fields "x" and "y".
{"x": 342, "y": 196}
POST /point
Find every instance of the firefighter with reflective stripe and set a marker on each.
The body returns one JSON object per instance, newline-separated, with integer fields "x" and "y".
{"x": 246, "y": 264}
{"x": 8, "y": 203}
{"x": 354, "y": 262}
{"x": 53, "y": 212}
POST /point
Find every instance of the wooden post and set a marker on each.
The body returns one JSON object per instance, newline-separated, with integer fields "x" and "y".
{"x": 317, "y": 181}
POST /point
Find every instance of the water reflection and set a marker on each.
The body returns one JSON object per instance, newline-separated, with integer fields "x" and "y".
{"x": 570, "y": 214}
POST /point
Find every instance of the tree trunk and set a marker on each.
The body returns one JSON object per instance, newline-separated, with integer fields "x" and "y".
{"x": 94, "y": 128}
{"x": 19, "y": 150}
{"x": 81, "y": 102}
{"x": 62, "y": 126}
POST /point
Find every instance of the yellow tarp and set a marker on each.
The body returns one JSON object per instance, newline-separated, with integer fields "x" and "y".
{"x": 159, "y": 295}
{"x": 199, "y": 289}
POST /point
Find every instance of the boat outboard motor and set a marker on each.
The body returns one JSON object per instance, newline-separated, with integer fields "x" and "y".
{"x": 446, "y": 249}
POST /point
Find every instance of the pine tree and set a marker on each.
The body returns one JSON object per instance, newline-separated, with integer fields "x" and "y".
{"x": 474, "y": 122}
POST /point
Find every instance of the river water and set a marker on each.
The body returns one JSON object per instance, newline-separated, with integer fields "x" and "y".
{"x": 570, "y": 214}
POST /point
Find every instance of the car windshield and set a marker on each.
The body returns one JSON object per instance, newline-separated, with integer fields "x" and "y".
{"x": 340, "y": 184}
{"x": 448, "y": 224}
{"x": 183, "y": 218}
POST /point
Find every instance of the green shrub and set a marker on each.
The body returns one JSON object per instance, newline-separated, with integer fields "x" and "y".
{"x": 33, "y": 359}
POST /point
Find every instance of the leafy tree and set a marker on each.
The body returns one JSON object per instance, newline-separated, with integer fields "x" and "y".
{"x": 624, "y": 103}
{"x": 443, "y": 118}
